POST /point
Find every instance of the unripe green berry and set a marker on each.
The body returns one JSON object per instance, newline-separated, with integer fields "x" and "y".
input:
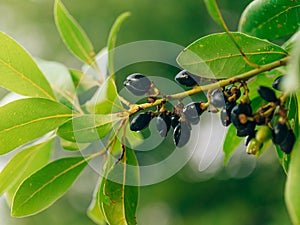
{"x": 263, "y": 134}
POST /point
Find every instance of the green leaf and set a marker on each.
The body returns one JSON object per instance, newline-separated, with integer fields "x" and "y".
{"x": 111, "y": 43}
{"x": 106, "y": 99}
{"x": 216, "y": 56}
{"x": 72, "y": 34}
{"x": 288, "y": 45}
{"x": 23, "y": 164}
{"x": 270, "y": 19}
{"x": 24, "y": 120}
{"x": 88, "y": 128}
{"x": 292, "y": 185}
{"x": 72, "y": 146}
{"x": 18, "y": 71}
{"x": 215, "y": 13}
{"x": 82, "y": 82}
{"x": 47, "y": 185}
{"x": 61, "y": 82}
{"x": 291, "y": 83}
{"x": 231, "y": 142}
{"x": 120, "y": 209}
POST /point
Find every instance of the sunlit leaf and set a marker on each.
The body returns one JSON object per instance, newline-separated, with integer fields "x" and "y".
{"x": 106, "y": 99}
{"x": 111, "y": 44}
{"x": 88, "y": 128}
{"x": 18, "y": 71}
{"x": 72, "y": 34}
{"x": 121, "y": 207}
{"x": 24, "y": 120}
{"x": 72, "y": 146}
{"x": 216, "y": 55}
{"x": 44, "y": 187}
{"x": 270, "y": 18}
{"x": 23, "y": 164}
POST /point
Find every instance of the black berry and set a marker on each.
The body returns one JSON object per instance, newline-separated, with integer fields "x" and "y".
{"x": 288, "y": 144}
{"x": 141, "y": 121}
{"x": 267, "y": 94}
{"x": 174, "y": 120}
{"x": 225, "y": 113}
{"x": 277, "y": 82}
{"x": 192, "y": 111}
{"x": 217, "y": 98}
{"x": 163, "y": 124}
{"x": 186, "y": 78}
{"x": 137, "y": 84}
{"x": 233, "y": 90}
{"x": 182, "y": 133}
{"x": 279, "y": 133}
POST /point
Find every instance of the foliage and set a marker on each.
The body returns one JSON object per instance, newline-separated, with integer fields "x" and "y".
{"x": 81, "y": 110}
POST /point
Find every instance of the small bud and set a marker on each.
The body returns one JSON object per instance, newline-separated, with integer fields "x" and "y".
{"x": 137, "y": 84}
{"x": 141, "y": 121}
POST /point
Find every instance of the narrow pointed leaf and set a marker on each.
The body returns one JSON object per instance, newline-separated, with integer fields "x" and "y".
{"x": 215, "y": 13}
{"x": 106, "y": 99}
{"x": 120, "y": 209}
{"x": 72, "y": 34}
{"x": 88, "y": 128}
{"x": 18, "y": 71}
{"x": 216, "y": 55}
{"x": 23, "y": 164}
{"x": 47, "y": 185}
{"x": 270, "y": 19}
{"x": 24, "y": 120}
{"x": 112, "y": 38}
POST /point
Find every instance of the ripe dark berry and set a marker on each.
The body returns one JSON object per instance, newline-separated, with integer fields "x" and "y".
{"x": 239, "y": 115}
{"x": 233, "y": 90}
{"x": 141, "y": 121}
{"x": 186, "y": 78}
{"x": 267, "y": 94}
{"x": 288, "y": 144}
{"x": 163, "y": 124}
{"x": 174, "y": 120}
{"x": 277, "y": 82}
{"x": 192, "y": 111}
{"x": 137, "y": 84}
{"x": 279, "y": 134}
{"x": 225, "y": 113}
{"x": 182, "y": 133}
{"x": 217, "y": 98}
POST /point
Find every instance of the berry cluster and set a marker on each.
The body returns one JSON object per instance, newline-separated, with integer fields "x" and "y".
{"x": 268, "y": 122}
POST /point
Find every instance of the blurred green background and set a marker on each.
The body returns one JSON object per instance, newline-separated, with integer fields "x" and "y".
{"x": 231, "y": 195}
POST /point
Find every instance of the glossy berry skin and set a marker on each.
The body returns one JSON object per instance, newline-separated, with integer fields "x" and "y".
{"x": 217, "y": 98}
{"x": 239, "y": 111}
{"x": 225, "y": 114}
{"x": 182, "y": 134}
{"x": 186, "y": 78}
{"x": 288, "y": 144}
{"x": 267, "y": 94}
{"x": 163, "y": 124}
{"x": 277, "y": 82}
{"x": 137, "y": 84}
{"x": 141, "y": 121}
{"x": 280, "y": 132}
{"x": 174, "y": 120}
{"x": 192, "y": 111}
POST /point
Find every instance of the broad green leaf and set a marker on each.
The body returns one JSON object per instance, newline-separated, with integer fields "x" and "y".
{"x": 270, "y": 19}
{"x": 23, "y": 164}
{"x": 24, "y": 120}
{"x": 88, "y": 128}
{"x": 216, "y": 56}
{"x": 215, "y": 13}
{"x": 292, "y": 185}
{"x": 72, "y": 146}
{"x": 61, "y": 82}
{"x": 123, "y": 199}
{"x": 73, "y": 35}
{"x": 18, "y": 71}
{"x": 291, "y": 82}
{"x": 106, "y": 99}
{"x": 231, "y": 143}
{"x": 112, "y": 38}
{"x": 44, "y": 187}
